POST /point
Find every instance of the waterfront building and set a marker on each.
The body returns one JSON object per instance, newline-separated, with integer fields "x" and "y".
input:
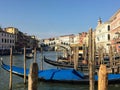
{"x": 76, "y": 39}
{"x": 79, "y": 38}
{"x": 22, "y": 39}
{"x": 46, "y": 41}
{"x": 78, "y": 43}
{"x": 49, "y": 41}
{"x": 102, "y": 35}
{"x": 85, "y": 40}
{"x": 57, "y": 40}
{"x": 82, "y": 36}
{"x": 7, "y": 40}
{"x": 11, "y": 30}
{"x": 67, "y": 39}
{"x": 115, "y": 30}
{"x": 34, "y": 41}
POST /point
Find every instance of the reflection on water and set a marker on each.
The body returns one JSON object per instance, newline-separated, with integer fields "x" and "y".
{"x": 18, "y": 81}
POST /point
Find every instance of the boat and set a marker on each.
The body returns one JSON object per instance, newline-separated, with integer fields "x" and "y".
{"x": 29, "y": 56}
{"x": 63, "y": 63}
{"x": 60, "y": 75}
{"x": 51, "y": 75}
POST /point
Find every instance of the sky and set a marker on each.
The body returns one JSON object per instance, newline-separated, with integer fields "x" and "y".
{"x": 51, "y": 18}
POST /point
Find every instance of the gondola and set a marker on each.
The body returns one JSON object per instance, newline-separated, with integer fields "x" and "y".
{"x": 63, "y": 64}
{"x": 61, "y": 75}
{"x": 68, "y": 64}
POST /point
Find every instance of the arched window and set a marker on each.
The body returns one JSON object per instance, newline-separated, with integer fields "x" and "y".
{"x": 108, "y": 36}
{"x": 108, "y": 27}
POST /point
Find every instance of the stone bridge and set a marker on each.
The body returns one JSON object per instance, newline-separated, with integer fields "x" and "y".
{"x": 62, "y": 46}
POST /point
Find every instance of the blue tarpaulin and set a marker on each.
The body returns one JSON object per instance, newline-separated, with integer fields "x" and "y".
{"x": 61, "y": 74}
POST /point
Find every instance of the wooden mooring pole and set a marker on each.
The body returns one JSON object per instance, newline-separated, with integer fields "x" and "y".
{"x": 70, "y": 58}
{"x": 33, "y": 77}
{"x": 85, "y": 52}
{"x": 99, "y": 56}
{"x": 24, "y": 65}
{"x": 41, "y": 63}
{"x": 34, "y": 54}
{"x": 91, "y": 60}
{"x": 74, "y": 58}
{"x": 10, "y": 82}
{"x": 75, "y": 50}
{"x": 102, "y": 78}
{"x": 111, "y": 56}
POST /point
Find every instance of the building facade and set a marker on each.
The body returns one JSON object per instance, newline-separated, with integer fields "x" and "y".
{"x": 22, "y": 39}
{"x": 67, "y": 39}
{"x": 115, "y": 30}
{"x": 102, "y": 35}
{"x": 7, "y": 40}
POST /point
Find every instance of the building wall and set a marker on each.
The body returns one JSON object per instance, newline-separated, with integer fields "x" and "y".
{"x": 67, "y": 38}
{"x": 76, "y": 39}
{"x": 7, "y": 40}
{"x": 11, "y": 30}
{"x": 115, "y": 20}
{"x": 115, "y": 30}
{"x": 102, "y": 36}
{"x": 81, "y": 37}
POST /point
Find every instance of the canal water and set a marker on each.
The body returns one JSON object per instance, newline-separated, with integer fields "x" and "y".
{"x": 18, "y": 81}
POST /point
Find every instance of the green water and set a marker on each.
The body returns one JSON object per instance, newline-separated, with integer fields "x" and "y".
{"x": 18, "y": 82}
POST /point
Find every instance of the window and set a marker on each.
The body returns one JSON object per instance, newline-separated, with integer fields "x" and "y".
{"x": 2, "y": 40}
{"x": 80, "y": 48}
{"x": 5, "y": 40}
{"x": 108, "y": 36}
{"x": 98, "y": 39}
{"x": 108, "y": 27}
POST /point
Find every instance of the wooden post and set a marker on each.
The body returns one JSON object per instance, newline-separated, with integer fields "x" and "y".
{"x": 99, "y": 56}
{"x": 85, "y": 52}
{"x": 102, "y": 56}
{"x": 70, "y": 56}
{"x": 56, "y": 55}
{"x": 117, "y": 69}
{"x": 34, "y": 54}
{"x": 111, "y": 55}
{"x": 114, "y": 55}
{"x": 77, "y": 51}
{"x": 102, "y": 78}
{"x": 74, "y": 57}
{"x": 10, "y": 82}
{"x": 24, "y": 65}
{"x": 41, "y": 59}
{"x": 91, "y": 60}
{"x": 33, "y": 77}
